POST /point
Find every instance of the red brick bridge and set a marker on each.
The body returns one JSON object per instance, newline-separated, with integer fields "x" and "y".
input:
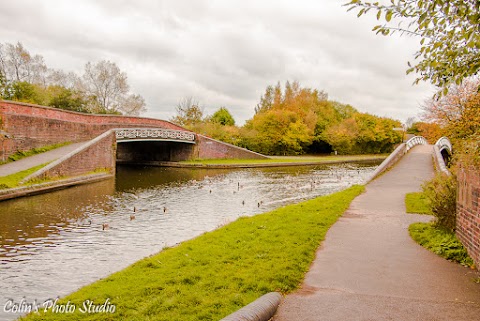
{"x": 108, "y": 139}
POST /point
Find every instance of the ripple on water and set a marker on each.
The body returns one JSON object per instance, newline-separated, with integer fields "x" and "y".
{"x": 78, "y": 235}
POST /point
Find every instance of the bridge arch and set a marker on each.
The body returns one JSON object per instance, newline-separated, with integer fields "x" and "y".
{"x": 414, "y": 141}
{"x": 143, "y": 145}
{"x": 444, "y": 144}
{"x": 444, "y": 147}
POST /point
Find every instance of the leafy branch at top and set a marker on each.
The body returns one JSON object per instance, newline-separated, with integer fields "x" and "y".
{"x": 449, "y": 31}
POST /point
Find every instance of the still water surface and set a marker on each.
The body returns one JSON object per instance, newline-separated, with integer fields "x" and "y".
{"x": 54, "y": 243}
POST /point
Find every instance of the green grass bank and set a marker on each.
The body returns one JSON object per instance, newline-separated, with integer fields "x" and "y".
{"x": 217, "y": 273}
{"x": 417, "y": 203}
{"x": 13, "y": 180}
{"x": 440, "y": 241}
{"x": 432, "y": 237}
{"x": 286, "y": 159}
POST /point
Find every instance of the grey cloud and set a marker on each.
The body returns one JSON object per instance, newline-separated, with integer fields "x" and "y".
{"x": 222, "y": 52}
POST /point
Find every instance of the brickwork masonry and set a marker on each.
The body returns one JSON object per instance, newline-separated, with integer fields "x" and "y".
{"x": 97, "y": 154}
{"x": 26, "y": 126}
{"x": 468, "y": 211}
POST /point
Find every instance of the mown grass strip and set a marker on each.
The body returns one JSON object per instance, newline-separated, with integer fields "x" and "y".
{"x": 417, "y": 203}
{"x": 274, "y": 160}
{"x": 13, "y": 180}
{"x": 440, "y": 241}
{"x": 219, "y": 272}
{"x": 22, "y": 154}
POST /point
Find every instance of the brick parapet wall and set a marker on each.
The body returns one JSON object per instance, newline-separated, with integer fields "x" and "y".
{"x": 468, "y": 211}
{"x": 99, "y": 153}
{"x": 30, "y": 126}
{"x": 208, "y": 148}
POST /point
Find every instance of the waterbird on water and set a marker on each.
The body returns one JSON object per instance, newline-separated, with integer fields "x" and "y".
{"x": 105, "y": 226}
{"x": 164, "y": 209}
{"x": 132, "y": 217}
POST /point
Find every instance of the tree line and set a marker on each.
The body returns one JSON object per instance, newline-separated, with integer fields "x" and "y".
{"x": 102, "y": 88}
{"x": 295, "y": 120}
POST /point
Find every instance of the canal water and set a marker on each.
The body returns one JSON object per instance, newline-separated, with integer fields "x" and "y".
{"x": 52, "y": 244}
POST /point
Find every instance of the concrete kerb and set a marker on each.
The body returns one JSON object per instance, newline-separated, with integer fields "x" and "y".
{"x": 253, "y": 165}
{"x": 51, "y": 186}
{"x": 262, "y": 309}
{"x": 53, "y": 164}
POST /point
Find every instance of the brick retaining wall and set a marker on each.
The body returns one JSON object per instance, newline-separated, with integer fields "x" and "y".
{"x": 208, "y": 148}
{"x": 468, "y": 211}
{"x": 31, "y": 126}
{"x": 99, "y": 153}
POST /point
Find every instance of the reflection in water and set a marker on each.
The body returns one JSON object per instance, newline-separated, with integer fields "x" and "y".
{"x": 53, "y": 243}
{"x": 28, "y": 223}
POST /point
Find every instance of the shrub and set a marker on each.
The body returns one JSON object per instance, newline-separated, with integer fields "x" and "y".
{"x": 442, "y": 194}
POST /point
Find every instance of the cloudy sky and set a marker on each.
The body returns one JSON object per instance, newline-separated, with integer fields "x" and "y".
{"x": 225, "y": 52}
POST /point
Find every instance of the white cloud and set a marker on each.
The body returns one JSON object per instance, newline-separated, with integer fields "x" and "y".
{"x": 224, "y": 53}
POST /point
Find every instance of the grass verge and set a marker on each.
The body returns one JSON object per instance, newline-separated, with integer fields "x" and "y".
{"x": 440, "y": 241}
{"x": 417, "y": 203}
{"x": 219, "y": 272}
{"x": 292, "y": 159}
{"x": 22, "y": 154}
{"x": 13, "y": 180}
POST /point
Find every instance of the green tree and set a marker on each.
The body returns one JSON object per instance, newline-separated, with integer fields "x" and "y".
{"x": 68, "y": 99}
{"x": 449, "y": 34}
{"x": 23, "y": 91}
{"x": 223, "y": 117}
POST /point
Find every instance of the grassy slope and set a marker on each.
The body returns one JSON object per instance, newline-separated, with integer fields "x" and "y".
{"x": 11, "y": 181}
{"x": 22, "y": 154}
{"x": 215, "y": 274}
{"x": 277, "y": 159}
{"x": 417, "y": 203}
{"x": 434, "y": 238}
{"x": 441, "y": 242}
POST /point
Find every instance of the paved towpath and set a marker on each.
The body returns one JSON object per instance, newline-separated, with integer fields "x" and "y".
{"x": 369, "y": 268}
{"x": 35, "y": 160}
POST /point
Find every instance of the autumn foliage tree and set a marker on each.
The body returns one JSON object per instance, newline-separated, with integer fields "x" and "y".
{"x": 458, "y": 112}
{"x": 296, "y": 120}
{"x": 458, "y": 115}
{"x": 430, "y": 130}
{"x": 363, "y": 134}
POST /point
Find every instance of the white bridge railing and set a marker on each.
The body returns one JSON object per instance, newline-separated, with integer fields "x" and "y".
{"x": 414, "y": 141}
{"x": 137, "y": 134}
{"x": 444, "y": 143}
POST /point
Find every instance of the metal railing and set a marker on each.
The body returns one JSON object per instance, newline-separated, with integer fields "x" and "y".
{"x": 414, "y": 141}
{"x": 136, "y": 134}
{"x": 444, "y": 143}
